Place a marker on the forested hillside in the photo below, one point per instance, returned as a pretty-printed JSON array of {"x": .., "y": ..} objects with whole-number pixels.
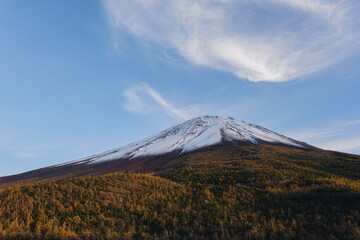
[{"x": 237, "y": 192}]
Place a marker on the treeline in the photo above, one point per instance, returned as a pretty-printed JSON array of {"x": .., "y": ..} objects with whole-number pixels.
[{"x": 213, "y": 196}]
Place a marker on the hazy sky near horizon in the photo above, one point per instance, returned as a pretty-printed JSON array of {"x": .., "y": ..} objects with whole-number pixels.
[{"x": 78, "y": 78}]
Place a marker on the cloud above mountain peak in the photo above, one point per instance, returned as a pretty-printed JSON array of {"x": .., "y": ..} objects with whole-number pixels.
[{"x": 258, "y": 40}]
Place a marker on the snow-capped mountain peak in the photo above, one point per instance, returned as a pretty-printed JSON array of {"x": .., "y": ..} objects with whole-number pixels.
[{"x": 191, "y": 135}]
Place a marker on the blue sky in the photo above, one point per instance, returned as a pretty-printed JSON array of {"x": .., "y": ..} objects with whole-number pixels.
[{"x": 81, "y": 78}]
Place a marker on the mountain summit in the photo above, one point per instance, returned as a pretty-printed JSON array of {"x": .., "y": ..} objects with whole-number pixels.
[
  {"x": 153, "y": 152},
  {"x": 192, "y": 135}
]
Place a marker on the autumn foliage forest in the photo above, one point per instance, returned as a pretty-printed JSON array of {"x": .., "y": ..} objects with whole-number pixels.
[{"x": 228, "y": 192}]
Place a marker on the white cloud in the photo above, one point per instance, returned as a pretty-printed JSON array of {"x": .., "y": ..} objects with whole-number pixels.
[
  {"x": 137, "y": 102},
  {"x": 339, "y": 137},
  {"x": 324, "y": 8},
  {"x": 261, "y": 40},
  {"x": 343, "y": 144},
  {"x": 25, "y": 154},
  {"x": 20, "y": 149}
]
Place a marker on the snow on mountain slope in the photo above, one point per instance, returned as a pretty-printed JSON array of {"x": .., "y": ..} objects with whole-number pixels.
[{"x": 191, "y": 135}]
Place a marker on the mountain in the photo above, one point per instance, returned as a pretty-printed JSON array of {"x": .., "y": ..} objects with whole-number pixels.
[
  {"x": 207, "y": 178},
  {"x": 193, "y": 135},
  {"x": 152, "y": 153}
]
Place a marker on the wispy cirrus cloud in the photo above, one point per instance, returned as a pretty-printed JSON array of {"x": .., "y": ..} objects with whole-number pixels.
[
  {"x": 343, "y": 144},
  {"x": 138, "y": 101},
  {"x": 260, "y": 40},
  {"x": 340, "y": 137},
  {"x": 20, "y": 150},
  {"x": 21, "y": 154}
]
